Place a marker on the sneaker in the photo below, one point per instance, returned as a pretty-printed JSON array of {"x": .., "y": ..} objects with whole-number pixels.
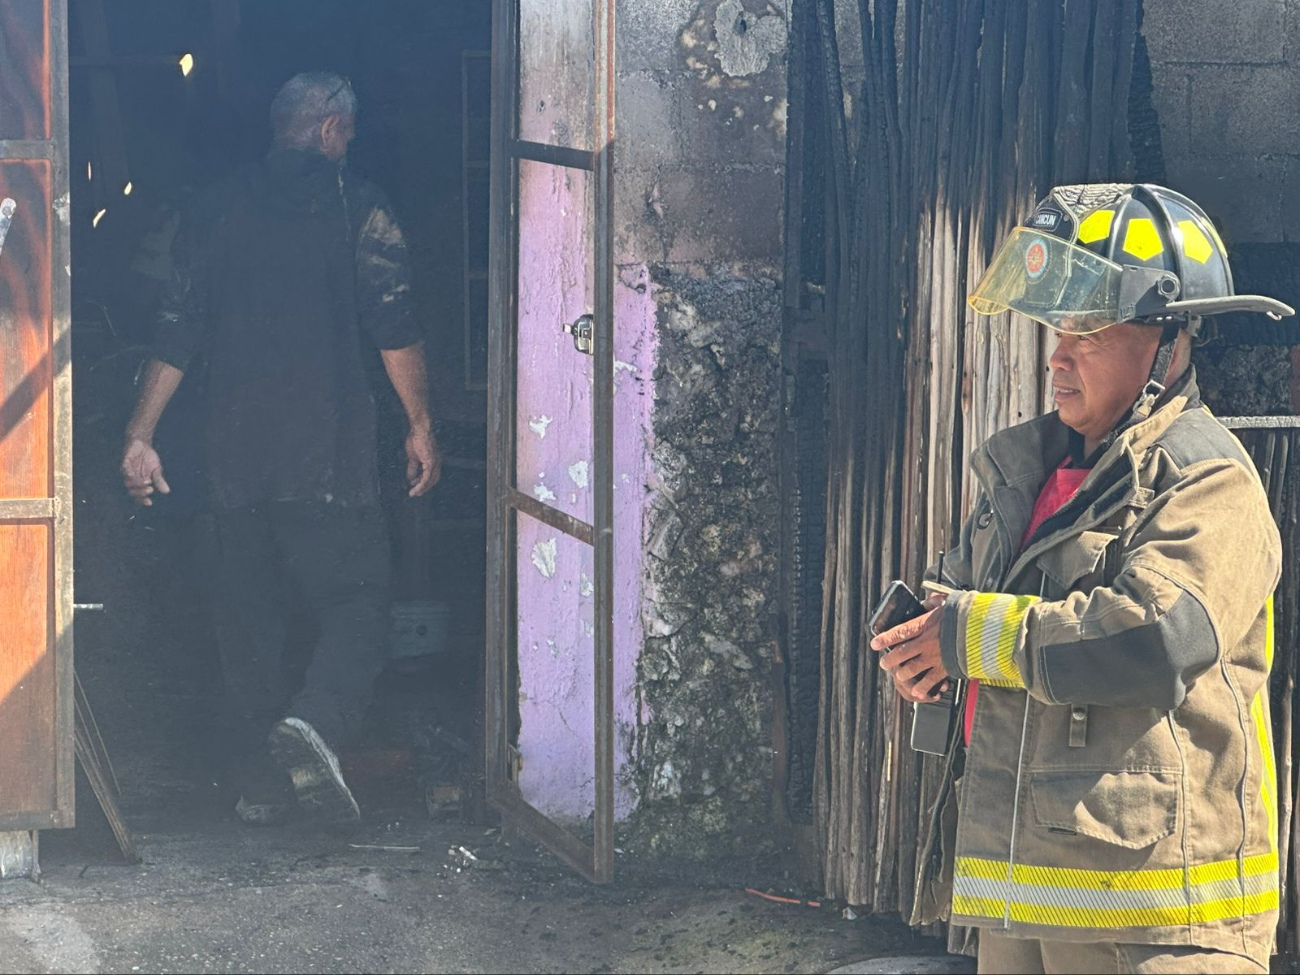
[
  {"x": 314, "y": 768},
  {"x": 262, "y": 813}
]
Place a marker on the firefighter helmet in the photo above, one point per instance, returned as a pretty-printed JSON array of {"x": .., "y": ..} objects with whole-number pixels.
[{"x": 1096, "y": 254}]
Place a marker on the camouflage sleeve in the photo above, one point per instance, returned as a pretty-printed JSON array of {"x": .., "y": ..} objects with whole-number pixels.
[
  {"x": 384, "y": 281},
  {"x": 181, "y": 325}
]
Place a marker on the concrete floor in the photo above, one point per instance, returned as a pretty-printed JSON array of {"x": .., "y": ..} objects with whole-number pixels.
[
  {"x": 213, "y": 896},
  {"x": 223, "y": 898}
]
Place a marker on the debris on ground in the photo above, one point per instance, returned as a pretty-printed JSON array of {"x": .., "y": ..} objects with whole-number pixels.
[
  {"x": 782, "y": 900},
  {"x": 466, "y": 859}
]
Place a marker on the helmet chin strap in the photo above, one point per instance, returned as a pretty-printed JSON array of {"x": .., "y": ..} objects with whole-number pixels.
[{"x": 1158, "y": 378}]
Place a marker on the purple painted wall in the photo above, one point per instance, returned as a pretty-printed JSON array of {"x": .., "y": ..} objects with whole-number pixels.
[{"x": 554, "y": 458}]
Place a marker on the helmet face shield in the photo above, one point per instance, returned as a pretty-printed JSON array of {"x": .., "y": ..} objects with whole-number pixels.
[{"x": 1064, "y": 286}]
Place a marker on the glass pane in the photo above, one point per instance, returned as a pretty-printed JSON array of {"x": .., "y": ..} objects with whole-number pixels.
[
  {"x": 554, "y": 380},
  {"x": 557, "y": 72},
  {"x": 555, "y": 646},
  {"x": 25, "y": 324},
  {"x": 24, "y": 70}
]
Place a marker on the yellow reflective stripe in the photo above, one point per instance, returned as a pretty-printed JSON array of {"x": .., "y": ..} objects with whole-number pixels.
[
  {"x": 1082, "y": 904},
  {"x": 992, "y": 629},
  {"x": 1268, "y": 785},
  {"x": 1208, "y": 873},
  {"x": 1166, "y": 879},
  {"x": 981, "y": 869},
  {"x": 975, "y": 616},
  {"x": 978, "y": 906}
]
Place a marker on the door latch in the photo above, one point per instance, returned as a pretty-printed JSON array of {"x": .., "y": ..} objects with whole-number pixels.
[
  {"x": 7, "y": 208},
  {"x": 583, "y": 332}
]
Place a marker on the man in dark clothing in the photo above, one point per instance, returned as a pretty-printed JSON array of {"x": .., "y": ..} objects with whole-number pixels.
[{"x": 284, "y": 273}]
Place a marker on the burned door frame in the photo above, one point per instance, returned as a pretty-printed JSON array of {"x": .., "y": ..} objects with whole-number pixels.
[
  {"x": 55, "y": 378},
  {"x": 595, "y": 861}
]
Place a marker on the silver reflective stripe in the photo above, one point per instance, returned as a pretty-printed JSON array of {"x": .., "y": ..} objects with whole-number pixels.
[
  {"x": 995, "y": 619},
  {"x": 1092, "y": 897}
]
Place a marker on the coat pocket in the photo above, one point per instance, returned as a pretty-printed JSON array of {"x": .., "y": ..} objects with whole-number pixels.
[
  {"x": 1132, "y": 810},
  {"x": 1076, "y": 559}
]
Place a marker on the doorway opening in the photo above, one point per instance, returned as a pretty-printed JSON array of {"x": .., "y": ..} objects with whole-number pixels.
[{"x": 166, "y": 97}]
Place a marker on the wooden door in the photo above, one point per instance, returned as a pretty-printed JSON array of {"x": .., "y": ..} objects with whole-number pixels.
[{"x": 36, "y": 677}]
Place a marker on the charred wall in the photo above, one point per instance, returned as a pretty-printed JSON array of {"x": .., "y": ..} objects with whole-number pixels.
[{"x": 699, "y": 226}]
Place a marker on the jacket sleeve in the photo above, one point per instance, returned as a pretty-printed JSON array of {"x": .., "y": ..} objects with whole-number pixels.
[
  {"x": 384, "y": 303},
  {"x": 180, "y": 329},
  {"x": 1192, "y": 579}
]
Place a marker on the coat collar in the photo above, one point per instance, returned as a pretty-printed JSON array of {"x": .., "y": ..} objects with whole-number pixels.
[{"x": 1027, "y": 453}]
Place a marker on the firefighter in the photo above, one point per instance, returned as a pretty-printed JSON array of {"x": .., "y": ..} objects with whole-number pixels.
[{"x": 1114, "y": 807}]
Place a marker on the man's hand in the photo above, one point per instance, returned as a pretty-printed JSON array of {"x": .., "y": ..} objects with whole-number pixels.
[
  {"x": 912, "y": 656},
  {"x": 142, "y": 471},
  {"x": 423, "y": 460}
]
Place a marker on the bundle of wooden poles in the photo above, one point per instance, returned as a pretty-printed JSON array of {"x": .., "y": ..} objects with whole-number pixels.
[{"x": 962, "y": 115}]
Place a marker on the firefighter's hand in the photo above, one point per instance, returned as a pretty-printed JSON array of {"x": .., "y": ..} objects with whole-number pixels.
[
  {"x": 912, "y": 656},
  {"x": 142, "y": 471},
  {"x": 423, "y": 461}
]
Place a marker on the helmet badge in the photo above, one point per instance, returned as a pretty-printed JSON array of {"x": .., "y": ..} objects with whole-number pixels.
[{"x": 1036, "y": 258}]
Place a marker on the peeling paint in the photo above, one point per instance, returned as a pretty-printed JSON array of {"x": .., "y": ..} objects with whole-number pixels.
[
  {"x": 544, "y": 557},
  {"x": 746, "y": 42},
  {"x": 578, "y": 473},
  {"x": 780, "y": 115},
  {"x": 539, "y": 424},
  {"x": 543, "y": 492},
  {"x": 63, "y": 208}
]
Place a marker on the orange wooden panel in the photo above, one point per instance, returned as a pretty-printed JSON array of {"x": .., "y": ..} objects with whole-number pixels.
[
  {"x": 26, "y": 324},
  {"x": 25, "y": 69},
  {"x": 27, "y": 671}
]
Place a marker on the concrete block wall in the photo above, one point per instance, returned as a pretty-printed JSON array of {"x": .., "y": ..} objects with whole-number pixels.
[
  {"x": 699, "y": 227},
  {"x": 1227, "y": 89}
]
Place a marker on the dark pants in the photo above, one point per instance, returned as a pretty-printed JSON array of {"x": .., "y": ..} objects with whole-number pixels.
[{"x": 332, "y": 560}]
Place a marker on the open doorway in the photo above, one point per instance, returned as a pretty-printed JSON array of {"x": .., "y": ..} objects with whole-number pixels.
[{"x": 165, "y": 98}]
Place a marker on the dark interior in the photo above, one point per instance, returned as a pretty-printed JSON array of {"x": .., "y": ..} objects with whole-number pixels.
[{"x": 148, "y": 661}]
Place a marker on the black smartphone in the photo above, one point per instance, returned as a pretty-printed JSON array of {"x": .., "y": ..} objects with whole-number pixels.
[
  {"x": 898, "y": 605},
  {"x": 932, "y": 723}
]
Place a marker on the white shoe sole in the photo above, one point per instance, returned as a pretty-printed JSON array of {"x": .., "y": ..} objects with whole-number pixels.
[{"x": 314, "y": 769}]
